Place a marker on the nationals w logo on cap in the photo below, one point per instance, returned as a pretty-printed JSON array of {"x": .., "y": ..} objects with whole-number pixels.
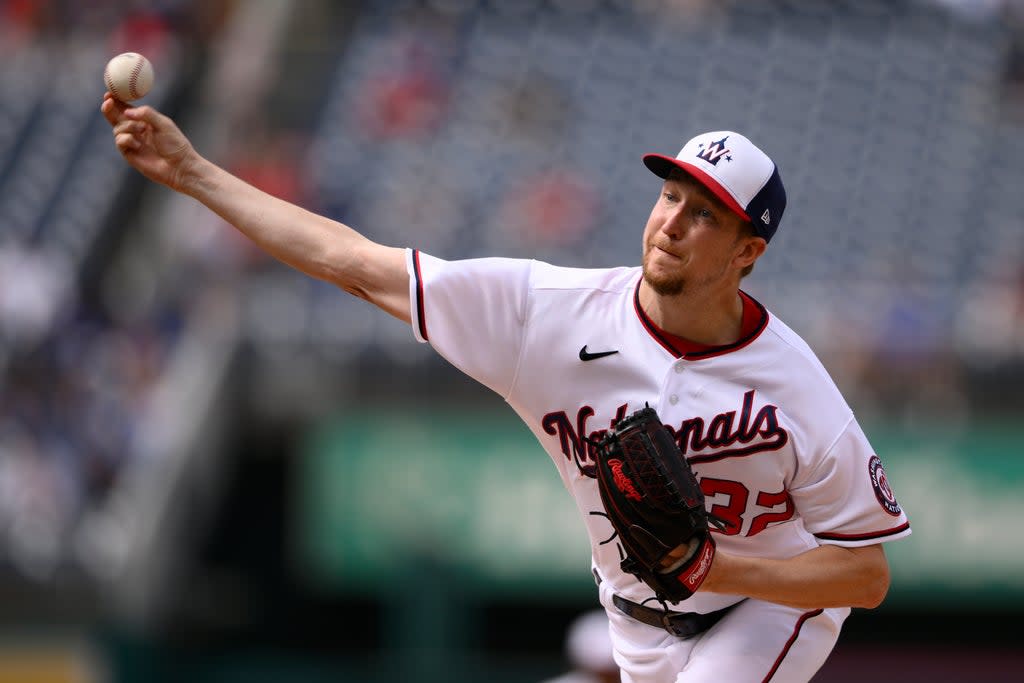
[
  {"x": 715, "y": 151},
  {"x": 736, "y": 171}
]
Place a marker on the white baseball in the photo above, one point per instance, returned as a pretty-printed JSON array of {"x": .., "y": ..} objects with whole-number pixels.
[{"x": 128, "y": 76}]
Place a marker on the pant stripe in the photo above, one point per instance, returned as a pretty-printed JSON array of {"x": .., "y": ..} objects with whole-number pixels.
[{"x": 789, "y": 643}]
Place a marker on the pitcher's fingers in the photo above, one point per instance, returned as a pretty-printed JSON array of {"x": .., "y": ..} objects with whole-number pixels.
[
  {"x": 113, "y": 110},
  {"x": 151, "y": 116},
  {"x": 133, "y": 127},
  {"x": 126, "y": 142}
]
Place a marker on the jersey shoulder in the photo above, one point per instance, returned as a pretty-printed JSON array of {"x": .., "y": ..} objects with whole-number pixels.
[
  {"x": 546, "y": 276},
  {"x": 798, "y": 376},
  {"x": 794, "y": 349},
  {"x": 786, "y": 336}
]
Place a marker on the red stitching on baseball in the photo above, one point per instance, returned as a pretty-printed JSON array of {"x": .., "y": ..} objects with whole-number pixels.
[{"x": 133, "y": 79}]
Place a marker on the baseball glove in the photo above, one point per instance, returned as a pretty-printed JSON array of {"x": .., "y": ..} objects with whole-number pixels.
[{"x": 654, "y": 502}]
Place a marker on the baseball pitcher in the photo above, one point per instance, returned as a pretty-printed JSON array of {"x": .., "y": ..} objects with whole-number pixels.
[{"x": 735, "y": 509}]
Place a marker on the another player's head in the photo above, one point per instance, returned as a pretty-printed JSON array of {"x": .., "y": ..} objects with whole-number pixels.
[
  {"x": 589, "y": 646},
  {"x": 721, "y": 204}
]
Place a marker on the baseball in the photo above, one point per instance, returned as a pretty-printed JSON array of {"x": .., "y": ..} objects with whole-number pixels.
[{"x": 128, "y": 76}]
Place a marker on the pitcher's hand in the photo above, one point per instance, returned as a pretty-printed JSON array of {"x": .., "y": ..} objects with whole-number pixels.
[{"x": 150, "y": 142}]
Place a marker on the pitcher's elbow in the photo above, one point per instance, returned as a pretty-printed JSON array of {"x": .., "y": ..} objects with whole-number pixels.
[{"x": 877, "y": 587}]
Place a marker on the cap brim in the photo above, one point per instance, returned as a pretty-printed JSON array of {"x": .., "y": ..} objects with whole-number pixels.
[{"x": 662, "y": 166}]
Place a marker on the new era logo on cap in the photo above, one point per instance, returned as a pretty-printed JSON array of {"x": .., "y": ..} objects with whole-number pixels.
[{"x": 736, "y": 171}]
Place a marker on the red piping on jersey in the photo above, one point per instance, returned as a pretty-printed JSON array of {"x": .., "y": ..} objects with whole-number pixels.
[
  {"x": 667, "y": 340},
  {"x": 789, "y": 643},
  {"x": 866, "y": 536},
  {"x": 420, "y": 313}
]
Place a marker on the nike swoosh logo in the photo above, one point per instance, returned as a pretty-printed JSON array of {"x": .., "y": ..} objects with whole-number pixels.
[{"x": 586, "y": 355}]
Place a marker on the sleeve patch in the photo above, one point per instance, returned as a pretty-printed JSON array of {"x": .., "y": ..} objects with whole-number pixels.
[{"x": 881, "y": 485}]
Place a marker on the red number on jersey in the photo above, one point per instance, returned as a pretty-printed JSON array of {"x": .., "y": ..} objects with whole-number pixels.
[
  {"x": 731, "y": 514},
  {"x": 738, "y": 495},
  {"x": 770, "y": 500}
]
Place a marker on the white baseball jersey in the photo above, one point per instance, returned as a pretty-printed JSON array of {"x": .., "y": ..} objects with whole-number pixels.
[{"x": 778, "y": 452}]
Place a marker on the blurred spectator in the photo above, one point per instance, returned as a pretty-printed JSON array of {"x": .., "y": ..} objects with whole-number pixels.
[
  {"x": 975, "y": 10},
  {"x": 537, "y": 110},
  {"x": 20, "y": 22},
  {"x": 148, "y": 32},
  {"x": 267, "y": 158},
  {"x": 589, "y": 650},
  {"x": 989, "y": 325},
  {"x": 549, "y": 209},
  {"x": 69, "y": 411},
  {"x": 76, "y": 376},
  {"x": 34, "y": 287},
  {"x": 406, "y": 96},
  {"x": 1013, "y": 75}
]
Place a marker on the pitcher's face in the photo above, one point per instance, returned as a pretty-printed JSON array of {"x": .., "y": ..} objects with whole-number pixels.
[{"x": 692, "y": 240}]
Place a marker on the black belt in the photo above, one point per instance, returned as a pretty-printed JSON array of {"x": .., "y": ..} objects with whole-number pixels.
[{"x": 680, "y": 624}]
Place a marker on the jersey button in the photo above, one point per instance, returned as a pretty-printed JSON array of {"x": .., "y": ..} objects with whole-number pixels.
[
  {"x": 673, "y": 399},
  {"x": 679, "y": 368}
]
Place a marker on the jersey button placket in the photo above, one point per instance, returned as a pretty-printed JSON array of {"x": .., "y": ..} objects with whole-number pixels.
[{"x": 673, "y": 399}]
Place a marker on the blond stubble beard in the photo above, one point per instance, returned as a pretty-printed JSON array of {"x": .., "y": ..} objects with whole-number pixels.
[
  {"x": 674, "y": 284},
  {"x": 666, "y": 285}
]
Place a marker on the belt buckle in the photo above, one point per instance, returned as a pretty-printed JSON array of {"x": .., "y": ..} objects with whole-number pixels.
[
  {"x": 666, "y": 622},
  {"x": 679, "y": 631}
]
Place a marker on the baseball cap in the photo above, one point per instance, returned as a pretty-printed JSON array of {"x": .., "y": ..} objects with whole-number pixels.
[{"x": 736, "y": 171}]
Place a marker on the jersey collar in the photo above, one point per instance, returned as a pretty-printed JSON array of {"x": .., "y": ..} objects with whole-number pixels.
[{"x": 755, "y": 320}]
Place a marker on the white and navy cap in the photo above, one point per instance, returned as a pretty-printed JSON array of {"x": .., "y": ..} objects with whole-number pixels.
[{"x": 736, "y": 171}]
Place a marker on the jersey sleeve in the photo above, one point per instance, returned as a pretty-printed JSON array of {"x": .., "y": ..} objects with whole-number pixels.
[
  {"x": 472, "y": 312},
  {"x": 845, "y": 498}
]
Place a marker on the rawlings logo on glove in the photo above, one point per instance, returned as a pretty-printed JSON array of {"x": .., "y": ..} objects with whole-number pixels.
[
  {"x": 654, "y": 502},
  {"x": 622, "y": 482}
]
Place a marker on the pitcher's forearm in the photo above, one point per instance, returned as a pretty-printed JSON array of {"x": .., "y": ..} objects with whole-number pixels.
[
  {"x": 829, "y": 576},
  {"x": 313, "y": 244},
  {"x": 154, "y": 145}
]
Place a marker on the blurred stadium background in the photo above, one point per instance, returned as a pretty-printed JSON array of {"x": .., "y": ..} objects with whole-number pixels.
[{"x": 215, "y": 469}]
